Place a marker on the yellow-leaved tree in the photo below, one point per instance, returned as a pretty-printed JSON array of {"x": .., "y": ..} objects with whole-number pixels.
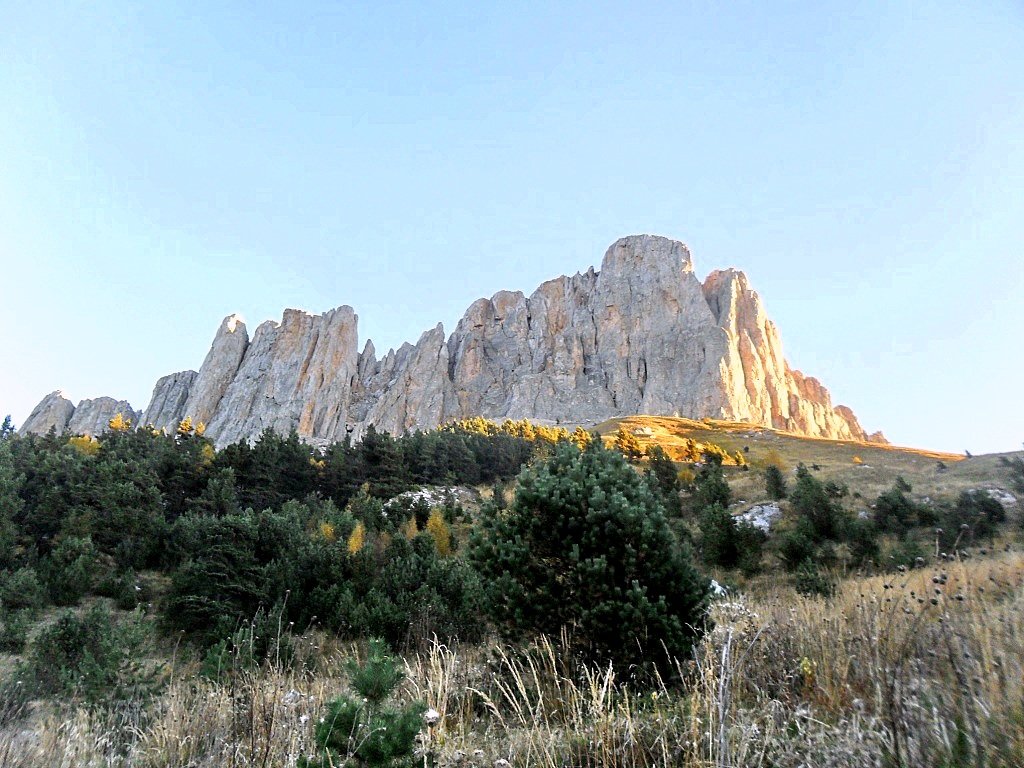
[
  {"x": 85, "y": 445},
  {"x": 357, "y": 539},
  {"x": 328, "y": 531},
  {"x": 581, "y": 438},
  {"x": 437, "y": 527},
  {"x": 119, "y": 423},
  {"x": 628, "y": 444}
]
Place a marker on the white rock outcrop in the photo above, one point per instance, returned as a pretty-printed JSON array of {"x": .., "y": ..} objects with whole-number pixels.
[
  {"x": 761, "y": 516},
  {"x": 218, "y": 369}
]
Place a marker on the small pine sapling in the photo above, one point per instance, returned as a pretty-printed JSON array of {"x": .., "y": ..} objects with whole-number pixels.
[{"x": 363, "y": 728}]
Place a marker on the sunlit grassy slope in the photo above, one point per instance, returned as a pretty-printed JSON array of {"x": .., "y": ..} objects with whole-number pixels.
[{"x": 868, "y": 468}]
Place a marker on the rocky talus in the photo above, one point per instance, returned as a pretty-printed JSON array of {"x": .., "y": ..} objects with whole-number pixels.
[{"x": 642, "y": 335}]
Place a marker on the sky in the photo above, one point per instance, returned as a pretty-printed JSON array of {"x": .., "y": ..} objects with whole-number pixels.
[{"x": 164, "y": 165}]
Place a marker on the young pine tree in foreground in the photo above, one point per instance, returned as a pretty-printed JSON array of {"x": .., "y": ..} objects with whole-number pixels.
[
  {"x": 586, "y": 545},
  {"x": 364, "y": 728}
]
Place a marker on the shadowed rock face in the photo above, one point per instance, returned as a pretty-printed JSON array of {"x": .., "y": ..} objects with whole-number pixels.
[
  {"x": 218, "y": 370},
  {"x": 643, "y": 335},
  {"x": 53, "y": 412},
  {"x": 92, "y": 417},
  {"x": 169, "y": 400},
  {"x": 89, "y": 417}
]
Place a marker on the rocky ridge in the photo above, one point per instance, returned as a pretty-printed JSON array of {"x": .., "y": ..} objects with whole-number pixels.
[
  {"x": 89, "y": 417},
  {"x": 641, "y": 336}
]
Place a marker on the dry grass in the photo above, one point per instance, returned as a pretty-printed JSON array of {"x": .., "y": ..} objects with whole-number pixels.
[
  {"x": 880, "y": 464},
  {"x": 917, "y": 669}
]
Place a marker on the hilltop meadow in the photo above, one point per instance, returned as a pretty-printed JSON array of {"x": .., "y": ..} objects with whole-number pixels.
[{"x": 485, "y": 595}]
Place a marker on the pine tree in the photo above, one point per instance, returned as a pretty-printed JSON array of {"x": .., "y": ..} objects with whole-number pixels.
[
  {"x": 663, "y": 471},
  {"x": 774, "y": 482},
  {"x": 711, "y": 486},
  {"x": 818, "y": 504},
  {"x": 11, "y": 504},
  {"x": 1015, "y": 464},
  {"x": 365, "y": 728},
  {"x": 728, "y": 542},
  {"x": 586, "y": 545},
  {"x": 718, "y": 540}
]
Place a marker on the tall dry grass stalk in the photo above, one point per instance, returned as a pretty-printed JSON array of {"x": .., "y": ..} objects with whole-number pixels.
[{"x": 918, "y": 669}]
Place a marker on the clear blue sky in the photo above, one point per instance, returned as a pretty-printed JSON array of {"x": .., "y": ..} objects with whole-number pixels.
[{"x": 162, "y": 166}]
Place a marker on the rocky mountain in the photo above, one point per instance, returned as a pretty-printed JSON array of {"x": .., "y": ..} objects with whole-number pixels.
[
  {"x": 89, "y": 417},
  {"x": 643, "y": 335}
]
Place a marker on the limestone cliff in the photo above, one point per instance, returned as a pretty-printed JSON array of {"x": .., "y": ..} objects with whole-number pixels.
[
  {"x": 170, "y": 400},
  {"x": 89, "y": 417},
  {"x": 53, "y": 412},
  {"x": 642, "y": 335}
]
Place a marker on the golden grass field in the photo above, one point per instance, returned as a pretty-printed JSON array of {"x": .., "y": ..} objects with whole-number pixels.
[{"x": 867, "y": 468}]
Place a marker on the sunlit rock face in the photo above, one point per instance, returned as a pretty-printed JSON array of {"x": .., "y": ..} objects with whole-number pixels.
[
  {"x": 642, "y": 335},
  {"x": 760, "y": 386}
]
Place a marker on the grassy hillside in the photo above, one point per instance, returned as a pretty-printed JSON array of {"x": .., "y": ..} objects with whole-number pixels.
[
  {"x": 892, "y": 669},
  {"x": 164, "y": 604},
  {"x": 867, "y": 468}
]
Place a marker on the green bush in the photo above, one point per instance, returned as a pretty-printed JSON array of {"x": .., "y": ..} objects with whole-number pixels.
[
  {"x": 908, "y": 552},
  {"x": 750, "y": 542},
  {"x": 818, "y": 504},
  {"x": 365, "y": 728},
  {"x": 70, "y": 569},
  {"x": 728, "y": 542},
  {"x": 406, "y": 594},
  {"x": 14, "y": 628},
  {"x": 21, "y": 589},
  {"x": 662, "y": 472},
  {"x": 586, "y": 545},
  {"x": 89, "y": 656},
  {"x": 811, "y": 582},
  {"x": 974, "y": 517},
  {"x": 862, "y": 537},
  {"x": 124, "y": 588},
  {"x": 796, "y": 545},
  {"x": 267, "y": 638},
  {"x": 228, "y": 572},
  {"x": 710, "y": 485},
  {"x": 895, "y": 513}
]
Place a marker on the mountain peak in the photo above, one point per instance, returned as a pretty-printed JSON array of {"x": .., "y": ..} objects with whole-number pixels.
[{"x": 641, "y": 336}]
